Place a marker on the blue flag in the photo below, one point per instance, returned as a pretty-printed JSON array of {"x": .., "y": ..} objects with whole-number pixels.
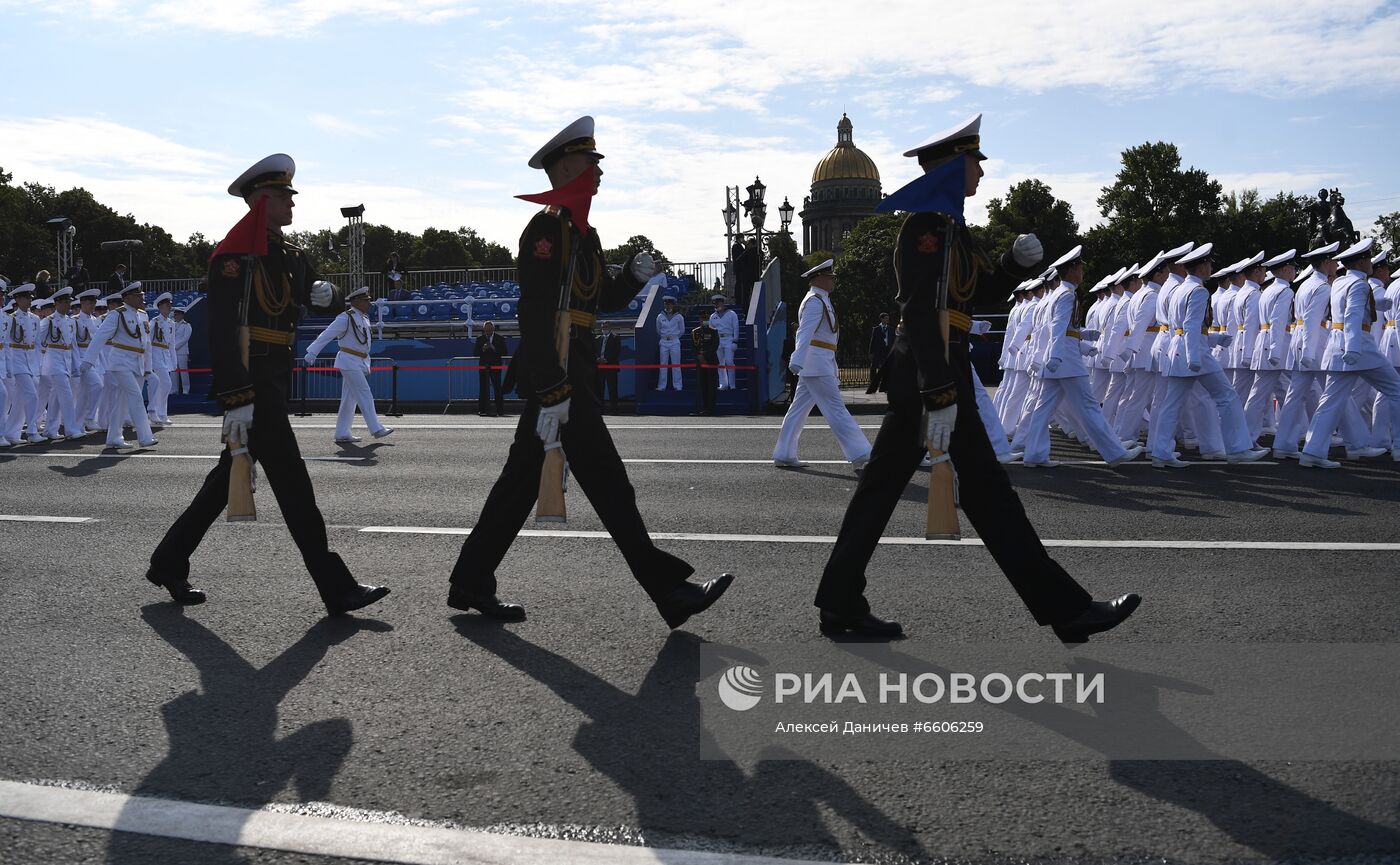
[{"x": 939, "y": 191}]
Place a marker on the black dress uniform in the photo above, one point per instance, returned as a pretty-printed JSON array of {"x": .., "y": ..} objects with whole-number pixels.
[
  {"x": 706, "y": 341},
  {"x": 916, "y": 377},
  {"x": 281, "y": 285}
]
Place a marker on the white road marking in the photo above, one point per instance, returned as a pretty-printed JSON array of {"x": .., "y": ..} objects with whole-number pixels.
[
  {"x": 32, "y": 518},
  {"x": 613, "y": 426},
  {"x": 1135, "y": 544},
  {"x": 103, "y": 455},
  {"x": 328, "y": 836}
]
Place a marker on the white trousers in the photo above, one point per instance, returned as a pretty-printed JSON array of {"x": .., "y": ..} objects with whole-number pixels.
[
  {"x": 1242, "y": 379},
  {"x": 1098, "y": 380},
  {"x": 61, "y": 397},
  {"x": 726, "y": 359},
  {"x": 1127, "y": 420},
  {"x": 1337, "y": 403},
  {"x": 180, "y": 379},
  {"x": 1114, "y": 396},
  {"x": 1014, "y": 384},
  {"x": 1259, "y": 404},
  {"x": 24, "y": 406},
  {"x": 988, "y": 412},
  {"x": 668, "y": 352},
  {"x": 1381, "y": 413},
  {"x": 823, "y": 391},
  {"x": 354, "y": 390},
  {"x": 125, "y": 388},
  {"x": 159, "y": 396},
  {"x": 1235, "y": 438},
  {"x": 4, "y": 407},
  {"x": 1083, "y": 407},
  {"x": 89, "y": 396}
]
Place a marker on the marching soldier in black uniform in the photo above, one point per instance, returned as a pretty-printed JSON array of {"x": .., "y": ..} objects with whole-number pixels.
[
  {"x": 277, "y": 280},
  {"x": 561, "y": 265},
  {"x": 706, "y": 342},
  {"x": 932, "y": 400}
]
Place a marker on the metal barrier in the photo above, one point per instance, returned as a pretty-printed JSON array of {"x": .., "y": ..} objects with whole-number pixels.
[
  {"x": 463, "y": 379},
  {"x": 321, "y": 382}
]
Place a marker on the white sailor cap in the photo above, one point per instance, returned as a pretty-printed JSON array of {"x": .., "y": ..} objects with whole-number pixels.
[
  {"x": 1381, "y": 258},
  {"x": 276, "y": 170},
  {"x": 1037, "y": 282},
  {"x": 91, "y": 292},
  {"x": 22, "y": 288},
  {"x": 1069, "y": 257},
  {"x": 1356, "y": 250},
  {"x": 164, "y": 298},
  {"x": 1323, "y": 251},
  {"x": 9, "y": 305},
  {"x": 1152, "y": 264},
  {"x": 668, "y": 299},
  {"x": 64, "y": 293},
  {"x": 717, "y": 298},
  {"x": 1103, "y": 283},
  {"x": 1127, "y": 273},
  {"x": 1178, "y": 252},
  {"x": 1198, "y": 254},
  {"x": 1281, "y": 259},
  {"x": 362, "y": 291},
  {"x": 1306, "y": 272},
  {"x": 41, "y": 303},
  {"x": 577, "y": 137},
  {"x": 180, "y": 309},
  {"x": 1247, "y": 263},
  {"x": 1050, "y": 275},
  {"x": 965, "y": 137},
  {"x": 829, "y": 264},
  {"x": 1224, "y": 271},
  {"x": 134, "y": 285},
  {"x": 111, "y": 299},
  {"x": 4, "y": 283}
]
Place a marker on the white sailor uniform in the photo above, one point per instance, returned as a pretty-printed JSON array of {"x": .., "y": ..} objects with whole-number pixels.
[
  {"x": 818, "y": 383},
  {"x": 123, "y": 334},
  {"x": 351, "y": 331},
  {"x": 727, "y": 325},
  {"x": 669, "y": 330}
]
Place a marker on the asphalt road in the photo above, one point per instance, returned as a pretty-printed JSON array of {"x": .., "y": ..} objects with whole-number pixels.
[{"x": 582, "y": 721}]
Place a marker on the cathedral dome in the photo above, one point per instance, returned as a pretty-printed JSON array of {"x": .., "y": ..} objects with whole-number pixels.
[{"x": 845, "y": 161}]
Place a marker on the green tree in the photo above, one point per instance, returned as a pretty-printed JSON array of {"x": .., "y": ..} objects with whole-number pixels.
[
  {"x": 440, "y": 250},
  {"x": 1152, "y": 204},
  {"x": 1247, "y": 223},
  {"x": 1030, "y": 207},
  {"x": 482, "y": 252},
  {"x": 865, "y": 283},
  {"x": 1386, "y": 231},
  {"x": 783, "y": 247},
  {"x": 635, "y": 244}
]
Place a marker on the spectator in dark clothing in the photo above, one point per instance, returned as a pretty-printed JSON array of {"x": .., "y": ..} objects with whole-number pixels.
[
  {"x": 608, "y": 351},
  {"x": 748, "y": 269},
  {"x": 490, "y": 349},
  {"x": 789, "y": 346},
  {"x": 881, "y": 340},
  {"x": 42, "y": 288},
  {"x": 706, "y": 341},
  {"x": 393, "y": 278},
  {"x": 77, "y": 276},
  {"x": 116, "y": 283}
]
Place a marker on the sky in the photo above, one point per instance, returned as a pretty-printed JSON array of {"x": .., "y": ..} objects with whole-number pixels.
[{"x": 426, "y": 111}]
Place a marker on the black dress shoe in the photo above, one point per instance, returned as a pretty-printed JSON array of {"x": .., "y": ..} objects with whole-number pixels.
[
  {"x": 869, "y": 624},
  {"x": 1100, "y": 616},
  {"x": 360, "y": 596},
  {"x": 488, "y": 605},
  {"x": 180, "y": 590},
  {"x": 690, "y": 598}
]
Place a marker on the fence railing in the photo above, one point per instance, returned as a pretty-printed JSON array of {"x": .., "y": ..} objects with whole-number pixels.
[{"x": 321, "y": 382}]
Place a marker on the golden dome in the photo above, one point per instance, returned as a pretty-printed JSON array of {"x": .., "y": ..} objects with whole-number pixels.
[{"x": 845, "y": 161}]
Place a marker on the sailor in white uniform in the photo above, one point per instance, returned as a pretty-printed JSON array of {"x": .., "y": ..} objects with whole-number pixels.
[
  {"x": 1246, "y": 317},
  {"x": 180, "y": 331},
  {"x": 1271, "y": 345},
  {"x": 351, "y": 331},
  {"x": 1011, "y": 375},
  {"x": 1390, "y": 348},
  {"x": 814, "y": 363},
  {"x": 726, "y": 323},
  {"x": 128, "y": 361},
  {"x": 59, "y": 366},
  {"x": 88, "y": 386},
  {"x": 162, "y": 362},
  {"x": 1140, "y": 329},
  {"x": 4, "y": 366},
  {"x": 670, "y": 327},
  {"x": 1351, "y": 355},
  {"x": 23, "y": 364}
]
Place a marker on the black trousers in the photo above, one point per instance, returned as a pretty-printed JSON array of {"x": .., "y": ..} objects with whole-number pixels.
[
  {"x": 985, "y": 492},
  {"x": 595, "y": 464},
  {"x": 274, "y": 445},
  {"x": 607, "y": 385},
  {"x": 708, "y": 379},
  {"x": 486, "y": 380}
]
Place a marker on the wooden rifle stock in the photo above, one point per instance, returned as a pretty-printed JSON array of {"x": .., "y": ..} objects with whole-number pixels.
[
  {"x": 549, "y": 503},
  {"x": 942, "y": 518},
  {"x": 241, "y": 507}
]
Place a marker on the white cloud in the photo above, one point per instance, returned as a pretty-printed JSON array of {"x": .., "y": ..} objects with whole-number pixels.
[{"x": 337, "y": 125}]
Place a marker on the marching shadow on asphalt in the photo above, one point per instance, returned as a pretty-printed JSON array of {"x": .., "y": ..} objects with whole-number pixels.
[
  {"x": 649, "y": 744},
  {"x": 368, "y": 454},
  {"x": 223, "y": 737},
  {"x": 1281, "y": 823}
]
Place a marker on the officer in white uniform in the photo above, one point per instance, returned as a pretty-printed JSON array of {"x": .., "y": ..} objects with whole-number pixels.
[
  {"x": 1115, "y": 337},
  {"x": 1389, "y": 348},
  {"x": 1140, "y": 329},
  {"x": 1246, "y": 317},
  {"x": 1101, "y": 302},
  {"x": 1271, "y": 346},
  {"x": 22, "y": 347},
  {"x": 107, "y": 402},
  {"x": 1063, "y": 377},
  {"x": 726, "y": 323},
  {"x": 59, "y": 366},
  {"x": 670, "y": 327},
  {"x": 1188, "y": 362},
  {"x": 351, "y": 331},
  {"x": 814, "y": 363},
  {"x": 180, "y": 331},
  {"x": 88, "y": 386},
  {"x": 4, "y": 367},
  {"x": 162, "y": 361},
  {"x": 1015, "y": 378},
  {"x": 1351, "y": 355},
  {"x": 128, "y": 361}
]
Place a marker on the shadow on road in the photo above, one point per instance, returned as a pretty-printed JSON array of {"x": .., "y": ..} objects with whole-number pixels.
[
  {"x": 223, "y": 737},
  {"x": 648, "y": 743}
]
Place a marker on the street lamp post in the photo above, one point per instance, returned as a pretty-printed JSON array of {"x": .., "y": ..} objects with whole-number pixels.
[{"x": 731, "y": 218}]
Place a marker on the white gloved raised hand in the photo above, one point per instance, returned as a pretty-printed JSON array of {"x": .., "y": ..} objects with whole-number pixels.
[
  {"x": 322, "y": 293},
  {"x": 1087, "y": 350},
  {"x": 237, "y": 423},
  {"x": 1027, "y": 250},
  {"x": 1305, "y": 362},
  {"x": 1035, "y": 367},
  {"x": 1125, "y": 355},
  {"x": 551, "y": 418},
  {"x": 1351, "y": 358},
  {"x": 980, "y": 328},
  {"x": 1382, "y": 304},
  {"x": 795, "y": 368},
  {"x": 1052, "y": 364},
  {"x": 87, "y": 365},
  {"x": 643, "y": 267},
  {"x": 940, "y": 426},
  {"x": 309, "y": 360},
  {"x": 1089, "y": 333}
]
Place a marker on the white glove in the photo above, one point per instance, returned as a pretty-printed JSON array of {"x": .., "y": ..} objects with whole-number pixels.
[
  {"x": 322, "y": 293},
  {"x": 643, "y": 268},
  {"x": 1035, "y": 367},
  {"x": 1194, "y": 366},
  {"x": 981, "y": 327},
  {"x": 309, "y": 360},
  {"x": 1351, "y": 358},
  {"x": 1027, "y": 250},
  {"x": 795, "y": 368},
  {"x": 237, "y": 422},
  {"x": 1089, "y": 334},
  {"x": 550, "y": 420},
  {"x": 1273, "y": 361},
  {"x": 1382, "y": 304},
  {"x": 940, "y": 426},
  {"x": 1305, "y": 362},
  {"x": 1087, "y": 350},
  {"x": 1125, "y": 355},
  {"x": 1052, "y": 364},
  {"x": 87, "y": 365}
]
